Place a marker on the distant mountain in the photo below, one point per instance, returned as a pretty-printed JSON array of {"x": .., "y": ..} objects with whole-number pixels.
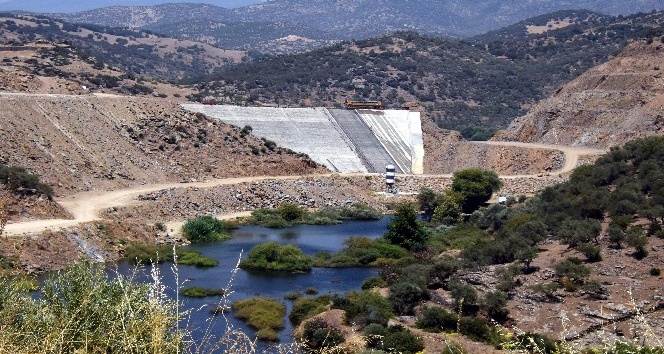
[
  {"x": 355, "y": 19},
  {"x": 60, "y": 6},
  {"x": 472, "y": 85}
]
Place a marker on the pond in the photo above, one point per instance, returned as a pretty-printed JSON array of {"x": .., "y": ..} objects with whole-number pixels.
[{"x": 245, "y": 284}]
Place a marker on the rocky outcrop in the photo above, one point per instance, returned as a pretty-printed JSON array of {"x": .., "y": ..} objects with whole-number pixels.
[{"x": 609, "y": 105}]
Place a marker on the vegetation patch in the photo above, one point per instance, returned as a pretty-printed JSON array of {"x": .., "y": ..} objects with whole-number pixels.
[
  {"x": 274, "y": 256},
  {"x": 147, "y": 254},
  {"x": 19, "y": 180},
  {"x": 265, "y": 315},
  {"x": 195, "y": 291},
  {"x": 361, "y": 252},
  {"x": 307, "y": 307},
  {"x": 83, "y": 310},
  {"x": 206, "y": 229},
  {"x": 289, "y": 214}
]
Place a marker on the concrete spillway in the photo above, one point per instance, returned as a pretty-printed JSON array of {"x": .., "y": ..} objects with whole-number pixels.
[
  {"x": 343, "y": 140},
  {"x": 371, "y": 151}
]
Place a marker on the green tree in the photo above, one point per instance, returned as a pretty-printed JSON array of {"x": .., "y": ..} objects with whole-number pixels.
[
  {"x": 477, "y": 186},
  {"x": 427, "y": 200},
  {"x": 449, "y": 209},
  {"x": 404, "y": 230},
  {"x": 636, "y": 238}
]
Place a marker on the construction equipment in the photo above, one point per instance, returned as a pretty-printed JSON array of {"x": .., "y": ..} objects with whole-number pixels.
[{"x": 351, "y": 104}]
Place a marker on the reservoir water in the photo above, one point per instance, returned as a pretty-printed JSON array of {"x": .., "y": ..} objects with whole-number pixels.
[{"x": 246, "y": 284}]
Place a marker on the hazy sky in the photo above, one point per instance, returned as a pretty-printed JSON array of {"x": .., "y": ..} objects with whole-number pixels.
[{"x": 45, "y": 6}]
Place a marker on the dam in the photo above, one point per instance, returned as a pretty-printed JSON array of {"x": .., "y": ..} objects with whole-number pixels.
[{"x": 345, "y": 141}]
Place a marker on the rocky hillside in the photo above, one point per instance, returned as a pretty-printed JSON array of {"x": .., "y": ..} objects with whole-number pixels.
[
  {"x": 78, "y": 143},
  {"x": 613, "y": 103},
  {"x": 346, "y": 19}
]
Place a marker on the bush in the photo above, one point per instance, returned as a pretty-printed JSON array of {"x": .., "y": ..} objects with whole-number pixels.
[
  {"x": 318, "y": 334},
  {"x": 655, "y": 272},
  {"x": 290, "y": 211},
  {"x": 205, "y": 229},
  {"x": 495, "y": 303},
  {"x": 307, "y": 307},
  {"x": 265, "y": 315},
  {"x": 274, "y": 256},
  {"x": 573, "y": 269},
  {"x": 404, "y": 296},
  {"x": 373, "y": 282},
  {"x": 17, "y": 178},
  {"x": 374, "y": 334},
  {"x": 476, "y": 329},
  {"x": 476, "y": 185},
  {"x": 592, "y": 252},
  {"x": 364, "y": 307},
  {"x": 437, "y": 319},
  {"x": 398, "y": 339},
  {"x": 195, "y": 291}
]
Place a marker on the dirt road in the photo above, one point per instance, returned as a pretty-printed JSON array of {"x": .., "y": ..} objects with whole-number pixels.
[{"x": 87, "y": 206}]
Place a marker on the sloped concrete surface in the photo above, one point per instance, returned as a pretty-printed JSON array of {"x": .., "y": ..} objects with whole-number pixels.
[
  {"x": 369, "y": 148},
  {"x": 305, "y": 130},
  {"x": 343, "y": 140}
]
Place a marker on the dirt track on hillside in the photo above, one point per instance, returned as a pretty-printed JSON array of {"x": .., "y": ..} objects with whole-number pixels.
[{"x": 87, "y": 206}]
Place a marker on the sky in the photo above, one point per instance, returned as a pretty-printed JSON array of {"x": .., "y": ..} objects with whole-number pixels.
[{"x": 50, "y": 6}]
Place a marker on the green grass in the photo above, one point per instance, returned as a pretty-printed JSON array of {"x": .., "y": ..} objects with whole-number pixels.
[
  {"x": 195, "y": 291},
  {"x": 265, "y": 315},
  {"x": 274, "y": 256},
  {"x": 147, "y": 254}
]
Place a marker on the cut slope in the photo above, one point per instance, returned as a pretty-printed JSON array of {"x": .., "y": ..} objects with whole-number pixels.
[
  {"x": 79, "y": 143},
  {"x": 615, "y": 102}
]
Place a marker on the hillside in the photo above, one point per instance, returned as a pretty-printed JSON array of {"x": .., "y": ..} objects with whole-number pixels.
[
  {"x": 75, "y": 5},
  {"x": 474, "y": 87},
  {"x": 610, "y": 104},
  {"x": 344, "y": 19},
  {"x": 66, "y": 119},
  {"x": 136, "y": 52}
]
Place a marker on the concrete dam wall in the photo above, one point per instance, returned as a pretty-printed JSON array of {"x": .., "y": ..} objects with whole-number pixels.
[{"x": 343, "y": 140}]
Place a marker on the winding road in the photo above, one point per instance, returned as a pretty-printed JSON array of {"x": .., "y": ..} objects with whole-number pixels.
[{"x": 88, "y": 206}]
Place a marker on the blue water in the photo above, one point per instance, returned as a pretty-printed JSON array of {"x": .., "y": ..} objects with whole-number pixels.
[{"x": 245, "y": 283}]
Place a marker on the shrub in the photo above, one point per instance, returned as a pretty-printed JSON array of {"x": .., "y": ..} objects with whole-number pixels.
[
  {"x": 476, "y": 185},
  {"x": 464, "y": 295},
  {"x": 592, "y": 252},
  {"x": 373, "y": 282},
  {"x": 495, "y": 303},
  {"x": 318, "y": 334},
  {"x": 373, "y": 334},
  {"x": 404, "y": 296},
  {"x": 293, "y": 295},
  {"x": 535, "y": 343},
  {"x": 17, "y": 178},
  {"x": 572, "y": 268},
  {"x": 655, "y": 272},
  {"x": 311, "y": 291},
  {"x": 307, "y": 307},
  {"x": 290, "y": 211},
  {"x": 398, "y": 339},
  {"x": 476, "y": 329},
  {"x": 364, "y": 307},
  {"x": 265, "y": 315},
  {"x": 437, "y": 319},
  {"x": 273, "y": 256},
  {"x": 205, "y": 229},
  {"x": 195, "y": 291}
]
